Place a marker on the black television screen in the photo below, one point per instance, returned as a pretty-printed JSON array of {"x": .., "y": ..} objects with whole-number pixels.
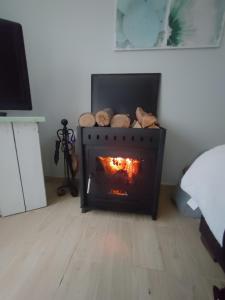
[
  {"x": 14, "y": 81},
  {"x": 124, "y": 92}
]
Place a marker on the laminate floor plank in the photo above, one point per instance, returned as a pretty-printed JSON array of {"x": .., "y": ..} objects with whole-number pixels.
[{"x": 57, "y": 253}]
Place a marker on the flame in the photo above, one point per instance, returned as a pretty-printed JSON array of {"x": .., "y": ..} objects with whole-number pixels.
[
  {"x": 112, "y": 165},
  {"x": 118, "y": 192}
]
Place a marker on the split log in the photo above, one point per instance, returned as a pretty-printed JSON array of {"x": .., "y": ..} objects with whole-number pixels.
[
  {"x": 144, "y": 118},
  {"x": 87, "y": 120},
  {"x": 154, "y": 126},
  {"x": 103, "y": 117},
  {"x": 136, "y": 124},
  {"x": 120, "y": 120}
]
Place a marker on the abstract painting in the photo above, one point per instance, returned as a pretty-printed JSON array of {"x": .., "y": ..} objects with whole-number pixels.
[{"x": 163, "y": 24}]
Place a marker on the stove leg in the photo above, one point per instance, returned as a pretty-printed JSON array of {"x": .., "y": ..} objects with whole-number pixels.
[
  {"x": 84, "y": 210},
  {"x": 154, "y": 217}
]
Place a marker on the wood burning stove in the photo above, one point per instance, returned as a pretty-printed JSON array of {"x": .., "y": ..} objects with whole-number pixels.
[{"x": 120, "y": 168}]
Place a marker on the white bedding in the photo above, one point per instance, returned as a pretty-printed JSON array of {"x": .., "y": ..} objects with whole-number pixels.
[{"x": 205, "y": 183}]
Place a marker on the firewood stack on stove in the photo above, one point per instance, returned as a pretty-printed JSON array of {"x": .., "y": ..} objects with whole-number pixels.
[{"x": 106, "y": 118}]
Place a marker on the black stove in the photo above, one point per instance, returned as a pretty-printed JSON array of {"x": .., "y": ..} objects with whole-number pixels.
[{"x": 120, "y": 168}]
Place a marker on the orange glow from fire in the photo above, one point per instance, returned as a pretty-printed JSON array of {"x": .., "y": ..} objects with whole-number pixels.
[
  {"x": 118, "y": 192},
  {"x": 112, "y": 165}
]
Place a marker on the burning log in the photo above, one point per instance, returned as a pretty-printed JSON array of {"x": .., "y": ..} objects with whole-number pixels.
[
  {"x": 121, "y": 167},
  {"x": 87, "y": 120},
  {"x": 144, "y": 118},
  {"x": 120, "y": 120},
  {"x": 103, "y": 117}
]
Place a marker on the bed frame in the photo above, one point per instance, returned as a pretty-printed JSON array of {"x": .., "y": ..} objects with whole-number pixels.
[{"x": 216, "y": 251}]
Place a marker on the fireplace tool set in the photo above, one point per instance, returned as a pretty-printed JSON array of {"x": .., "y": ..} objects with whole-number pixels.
[{"x": 66, "y": 142}]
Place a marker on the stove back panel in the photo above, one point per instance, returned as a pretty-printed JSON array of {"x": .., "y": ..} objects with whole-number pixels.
[{"x": 125, "y": 92}]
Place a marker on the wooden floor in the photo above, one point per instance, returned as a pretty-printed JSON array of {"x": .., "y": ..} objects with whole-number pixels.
[{"x": 59, "y": 253}]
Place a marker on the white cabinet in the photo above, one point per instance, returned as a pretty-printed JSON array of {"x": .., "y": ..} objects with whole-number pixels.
[
  {"x": 11, "y": 194},
  {"x": 21, "y": 175}
]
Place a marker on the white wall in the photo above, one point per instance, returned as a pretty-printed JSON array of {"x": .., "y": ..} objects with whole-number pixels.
[{"x": 68, "y": 40}]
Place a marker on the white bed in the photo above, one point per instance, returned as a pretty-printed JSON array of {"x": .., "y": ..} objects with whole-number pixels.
[{"x": 205, "y": 183}]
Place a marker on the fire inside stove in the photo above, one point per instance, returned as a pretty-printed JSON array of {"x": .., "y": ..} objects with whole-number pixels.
[
  {"x": 118, "y": 192},
  {"x": 122, "y": 168}
]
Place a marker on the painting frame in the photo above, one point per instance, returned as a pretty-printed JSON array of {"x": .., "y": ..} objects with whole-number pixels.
[{"x": 185, "y": 44}]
